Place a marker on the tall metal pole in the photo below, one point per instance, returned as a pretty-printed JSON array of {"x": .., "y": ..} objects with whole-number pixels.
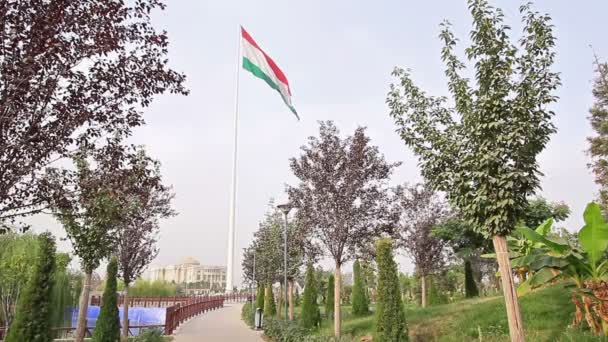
[
  {"x": 232, "y": 218},
  {"x": 254, "y": 290},
  {"x": 286, "y": 212}
]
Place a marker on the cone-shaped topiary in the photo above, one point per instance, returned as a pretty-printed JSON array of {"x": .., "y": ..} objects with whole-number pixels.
[
  {"x": 107, "y": 328},
  {"x": 311, "y": 315},
  {"x": 470, "y": 288},
  {"x": 260, "y": 298},
  {"x": 329, "y": 299},
  {"x": 270, "y": 307},
  {"x": 360, "y": 303},
  {"x": 390, "y": 315},
  {"x": 33, "y": 313}
]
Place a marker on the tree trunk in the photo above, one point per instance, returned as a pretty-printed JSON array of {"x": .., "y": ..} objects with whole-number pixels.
[
  {"x": 81, "y": 328},
  {"x": 280, "y": 302},
  {"x": 516, "y": 328},
  {"x": 337, "y": 313},
  {"x": 291, "y": 283},
  {"x": 125, "y": 314},
  {"x": 423, "y": 291}
]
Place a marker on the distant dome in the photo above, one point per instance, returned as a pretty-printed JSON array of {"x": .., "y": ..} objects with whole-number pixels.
[{"x": 190, "y": 261}]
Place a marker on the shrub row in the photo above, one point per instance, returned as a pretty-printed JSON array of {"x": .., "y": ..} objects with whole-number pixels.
[{"x": 291, "y": 331}]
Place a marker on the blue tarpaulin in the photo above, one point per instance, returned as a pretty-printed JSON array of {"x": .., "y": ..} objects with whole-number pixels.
[{"x": 137, "y": 316}]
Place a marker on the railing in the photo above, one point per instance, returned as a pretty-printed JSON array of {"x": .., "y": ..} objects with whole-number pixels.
[
  {"x": 161, "y": 302},
  {"x": 179, "y": 313},
  {"x": 179, "y": 309}
]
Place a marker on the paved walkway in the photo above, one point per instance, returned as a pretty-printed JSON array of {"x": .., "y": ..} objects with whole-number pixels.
[{"x": 224, "y": 324}]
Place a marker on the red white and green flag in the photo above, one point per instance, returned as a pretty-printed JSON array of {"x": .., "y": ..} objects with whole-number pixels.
[{"x": 256, "y": 61}]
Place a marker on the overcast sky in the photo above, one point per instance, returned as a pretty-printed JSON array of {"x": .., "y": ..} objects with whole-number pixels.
[{"x": 338, "y": 56}]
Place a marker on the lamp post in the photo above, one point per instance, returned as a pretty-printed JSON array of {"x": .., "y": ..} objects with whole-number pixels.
[{"x": 285, "y": 208}]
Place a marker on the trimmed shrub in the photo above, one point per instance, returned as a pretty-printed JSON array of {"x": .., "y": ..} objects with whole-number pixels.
[
  {"x": 270, "y": 307},
  {"x": 150, "y": 335},
  {"x": 33, "y": 313},
  {"x": 311, "y": 315},
  {"x": 247, "y": 314},
  {"x": 107, "y": 328},
  {"x": 360, "y": 302},
  {"x": 259, "y": 300},
  {"x": 470, "y": 288},
  {"x": 390, "y": 315},
  {"x": 329, "y": 299}
]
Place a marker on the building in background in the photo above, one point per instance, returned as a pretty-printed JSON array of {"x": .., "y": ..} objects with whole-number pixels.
[{"x": 195, "y": 277}]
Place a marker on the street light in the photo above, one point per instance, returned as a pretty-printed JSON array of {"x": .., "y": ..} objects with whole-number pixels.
[{"x": 285, "y": 208}]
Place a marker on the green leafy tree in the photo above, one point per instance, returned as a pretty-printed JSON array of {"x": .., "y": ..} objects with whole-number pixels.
[
  {"x": 311, "y": 315},
  {"x": 259, "y": 300},
  {"x": 329, "y": 298},
  {"x": 61, "y": 293},
  {"x": 482, "y": 151},
  {"x": 470, "y": 287},
  {"x": 270, "y": 307},
  {"x": 17, "y": 259},
  {"x": 390, "y": 314},
  {"x": 107, "y": 328},
  {"x": 598, "y": 144},
  {"x": 33, "y": 314},
  {"x": 360, "y": 303}
]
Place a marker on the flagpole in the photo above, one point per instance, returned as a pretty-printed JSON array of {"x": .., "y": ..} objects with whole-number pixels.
[{"x": 232, "y": 218}]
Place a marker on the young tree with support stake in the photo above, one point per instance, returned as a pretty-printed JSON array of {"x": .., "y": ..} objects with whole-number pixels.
[
  {"x": 482, "y": 152},
  {"x": 148, "y": 201},
  {"x": 421, "y": 211},
  {"x": 93, "y": 202},
  {"x": 342, "y": 197}
]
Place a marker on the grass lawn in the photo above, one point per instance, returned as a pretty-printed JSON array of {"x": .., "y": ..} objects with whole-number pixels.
[{"x": 546, "y": 314}]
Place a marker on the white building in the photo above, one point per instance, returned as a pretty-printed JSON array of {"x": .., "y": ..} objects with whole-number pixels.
[{"x": 191, "y": 271}]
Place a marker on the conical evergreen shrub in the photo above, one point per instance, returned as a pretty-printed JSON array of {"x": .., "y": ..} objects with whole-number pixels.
[
  {"x": 259, "y": 300},
  {"x": 311, "y": 315},
  {"x": 390, "y": 314},
  {"x": 360, "y": 302},
  {"x": 33, "y": 313},
  {"x": 470, "y": 288},
  {"x": 270, "y": 307},
  {"x": 107, "y": 328},
  {"x": 329, "y": 299}
]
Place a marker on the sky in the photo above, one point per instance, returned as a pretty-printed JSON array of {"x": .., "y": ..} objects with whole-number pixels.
[{"x": 338, "y": 56}]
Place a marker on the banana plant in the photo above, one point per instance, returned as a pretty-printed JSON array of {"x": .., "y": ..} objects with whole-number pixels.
[{"x": 584, "y": 264}]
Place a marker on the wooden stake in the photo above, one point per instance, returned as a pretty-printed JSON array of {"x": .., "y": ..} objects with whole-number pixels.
[{"x": 516, "y": 328}]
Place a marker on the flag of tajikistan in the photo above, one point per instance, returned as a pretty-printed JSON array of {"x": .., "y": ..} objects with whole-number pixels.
[{"x": 261, "y": 65}]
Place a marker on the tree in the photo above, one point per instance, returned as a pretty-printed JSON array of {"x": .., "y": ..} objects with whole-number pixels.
[
  {"x": 18, "y": 254},
  {"x": 470, "y": 287},
  {"x": 390, "y": 315},
  {"x": 107, "y": 327},
  {"x": 598, "y": 144},
  {"x": 61, "y": 293},
  {"x": 482, "y": 152},
  {"x": 421, "y": 211},
  {"x": 539, "y": 210},
  {"x": 360, "y": 304},
  {"x": 342, "y": 197},
  {"x": 311, "y": 315},
  {"x": 270, "y": 307},
  {"x": 260, "y": 297},
  {"x": 93, "y": 203},
  {"x": 32, "y": 318},
  {"x": 149, "y": 201},
  {"x": 329, "y": 298},
  {"x": 74, "y": 72}
]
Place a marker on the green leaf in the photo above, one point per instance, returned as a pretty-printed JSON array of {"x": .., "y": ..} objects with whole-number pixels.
[
  {"x": 539, "y": 278},
  {"x": 545, "y": 227},
  {"x": 535, "y": 237},
  {"x": 593, "y": 237}
]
